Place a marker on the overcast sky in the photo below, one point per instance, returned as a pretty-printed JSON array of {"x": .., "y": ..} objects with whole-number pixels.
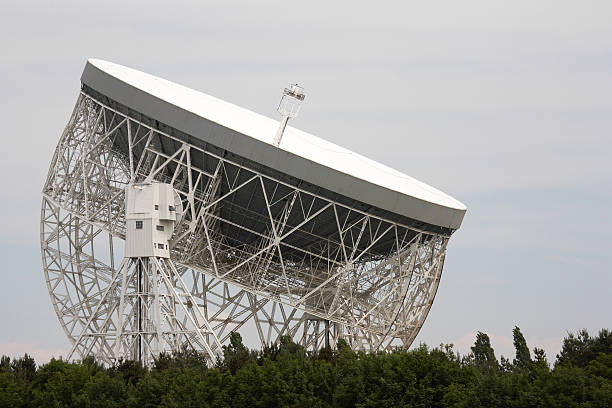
[{"x": 507, "y": 106}]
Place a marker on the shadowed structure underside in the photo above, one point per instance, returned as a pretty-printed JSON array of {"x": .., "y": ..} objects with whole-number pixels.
[{"x": 253, "y": 250}]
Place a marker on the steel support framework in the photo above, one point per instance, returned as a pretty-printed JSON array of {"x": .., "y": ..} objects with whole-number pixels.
[{"x": 267, "y": 271}]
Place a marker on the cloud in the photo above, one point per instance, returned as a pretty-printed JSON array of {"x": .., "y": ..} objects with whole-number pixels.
[
  {"x": 40, "y": 353},
  {"x": 504, "y": 105}
]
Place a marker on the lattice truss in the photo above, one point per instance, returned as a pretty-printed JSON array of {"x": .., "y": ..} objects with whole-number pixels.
[{"x": 250, "y": 253}]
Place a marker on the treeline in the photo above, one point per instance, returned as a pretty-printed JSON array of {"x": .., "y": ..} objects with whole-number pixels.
[{"x": 285, "y": 375}]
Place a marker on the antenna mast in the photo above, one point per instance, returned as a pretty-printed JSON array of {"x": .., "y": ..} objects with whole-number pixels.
[{"x": 289, "y": 107}]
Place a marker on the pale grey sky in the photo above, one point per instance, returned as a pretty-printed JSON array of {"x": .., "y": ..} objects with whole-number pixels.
[{"x": 507, "y": 106}]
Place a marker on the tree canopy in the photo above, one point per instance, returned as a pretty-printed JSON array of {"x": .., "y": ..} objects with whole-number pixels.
[{"x": 286, "y": 375}]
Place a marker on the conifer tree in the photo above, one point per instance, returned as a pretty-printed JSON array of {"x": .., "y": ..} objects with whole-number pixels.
[
  {"x": 235, "y": 354},
  {"x": 539, "y": 358},
  {"x": 484, "y": 355},
  {"x": 523, "y": 357}
]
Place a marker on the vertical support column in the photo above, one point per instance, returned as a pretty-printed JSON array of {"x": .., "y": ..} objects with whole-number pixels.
[
  {"x": 156, "y": 318},
  {"x": 138, "y": 323}
]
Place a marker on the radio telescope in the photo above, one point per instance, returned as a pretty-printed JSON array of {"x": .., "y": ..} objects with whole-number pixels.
[{"x": 171, "y": 218}]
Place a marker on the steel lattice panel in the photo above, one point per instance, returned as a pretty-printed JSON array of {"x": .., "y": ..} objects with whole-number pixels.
[{"x": 250, "y": 249}]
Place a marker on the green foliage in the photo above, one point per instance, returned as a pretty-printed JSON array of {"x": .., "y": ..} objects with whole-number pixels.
[
  {"x": 12, "y": 393},
  {"x": 540, "y": 360},
  {"x": 129, "y": 371},
  {"x": 181, "y": 360},
  {"x": 235, "y": 354},
  {"x": 484, "y": 356},
  {"x": 102, "y": 391},
  {"x": 523, "y": 358},
  {"x": 24, "y": 368},
  {"x": 581, "y": 349},
  {"x": 286, "y": 375}
]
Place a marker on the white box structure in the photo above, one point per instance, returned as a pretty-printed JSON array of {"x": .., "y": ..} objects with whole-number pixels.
[{"x": 150, "y": 217}]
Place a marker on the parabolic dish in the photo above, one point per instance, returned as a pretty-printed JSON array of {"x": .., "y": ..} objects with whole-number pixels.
[
  {"x": 307, "y": 239},
  {"x": 248, "y": 134}
]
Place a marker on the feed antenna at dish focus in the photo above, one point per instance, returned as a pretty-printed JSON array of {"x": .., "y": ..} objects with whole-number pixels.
[
  {"x": 289, "y": 107},
  {"x": 170, "y": 219}
]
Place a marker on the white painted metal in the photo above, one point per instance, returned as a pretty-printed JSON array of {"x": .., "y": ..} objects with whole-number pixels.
[
  {"x": 250, "y": 252},
  {"x": 250, "y": 135},
  {"x": 289, "y": 107},
  {"x": 152, "y": 210}
]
